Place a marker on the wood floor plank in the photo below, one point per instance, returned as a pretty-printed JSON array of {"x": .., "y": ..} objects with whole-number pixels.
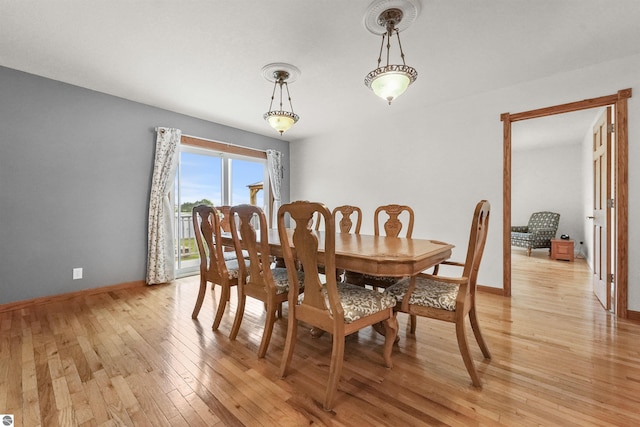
[
  {"x": 156, "y": 406},
  {"x": 114, "y": 406},
  {"x": 30, "y": 409},
  {"x": 96, "y": 401},
  {"x": 192, "y": 409},
  {"x": 46, "y": 400}
]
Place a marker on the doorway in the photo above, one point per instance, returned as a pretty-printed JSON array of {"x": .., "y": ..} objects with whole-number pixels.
[{"x": 619, "y": 101}]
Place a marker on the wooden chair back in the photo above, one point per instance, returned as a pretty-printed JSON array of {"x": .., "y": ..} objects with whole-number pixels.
[
  {"x": 315, "y": 221},
  {"x": 206, "y": 224},
  {"x": 224, "y": 214},
  {"x": 477, "y": 240},
  {"x": 313, "y": 309},
  {"x": 345, "y": 223},
  {"x": 393, "y": 224},
  {"x": 243, "y": 219}
]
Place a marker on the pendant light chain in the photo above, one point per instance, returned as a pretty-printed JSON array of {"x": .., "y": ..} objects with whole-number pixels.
[
  {"x": 381, "y": 48},
  {"x": 388, "y": 44},
  {"x": 288, "y": 97},
  {"x": 273, "y": 94},
  {"x": 400, "y": 44}
]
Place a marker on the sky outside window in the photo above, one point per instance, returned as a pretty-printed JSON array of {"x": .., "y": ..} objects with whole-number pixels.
[{"x": 201, "y": 178}]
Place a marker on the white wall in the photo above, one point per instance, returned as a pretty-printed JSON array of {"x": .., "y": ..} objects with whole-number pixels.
[
  {"x": 442, "y": 159},
  {"x": 550, "y": 179}
]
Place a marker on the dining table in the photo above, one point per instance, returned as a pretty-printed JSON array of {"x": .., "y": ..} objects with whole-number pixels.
[{"x": 370, "y": 254}]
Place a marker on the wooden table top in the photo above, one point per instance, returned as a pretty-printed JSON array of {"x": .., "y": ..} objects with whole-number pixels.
[{"x": 377, "y": 255}]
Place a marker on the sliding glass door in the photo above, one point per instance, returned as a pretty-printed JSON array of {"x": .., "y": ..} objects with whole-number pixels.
[{"x": 212, "y": 178}]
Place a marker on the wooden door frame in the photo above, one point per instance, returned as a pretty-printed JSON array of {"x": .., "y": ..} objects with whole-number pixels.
[{"x": 621, "y": 153}]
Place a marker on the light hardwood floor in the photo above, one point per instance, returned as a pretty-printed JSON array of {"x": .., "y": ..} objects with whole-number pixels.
[{"x": 135, "y": 357}]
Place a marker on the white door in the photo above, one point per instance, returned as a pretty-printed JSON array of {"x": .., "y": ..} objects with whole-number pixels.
[{"x": 602, "y": 207}]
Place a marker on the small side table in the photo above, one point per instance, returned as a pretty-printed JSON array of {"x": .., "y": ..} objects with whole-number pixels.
[{"x": 562, "y": 249}]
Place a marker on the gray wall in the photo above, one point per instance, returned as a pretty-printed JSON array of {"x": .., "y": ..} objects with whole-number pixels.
[{"x": 75, "y": 174}]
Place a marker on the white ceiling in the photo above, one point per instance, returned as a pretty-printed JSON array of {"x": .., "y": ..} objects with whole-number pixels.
[{"x": 203, "y": 58}]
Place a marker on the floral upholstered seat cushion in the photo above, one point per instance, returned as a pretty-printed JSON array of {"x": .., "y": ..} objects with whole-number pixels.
[
  {"x": 358, "y": 302},
  {"x": 232, "y": 268},
  {"x": 281, "y": 279},
  {"x": 427, "y": 293}
]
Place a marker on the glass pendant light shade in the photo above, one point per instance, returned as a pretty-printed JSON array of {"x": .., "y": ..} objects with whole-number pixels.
[
  {"x": 389, "y": 86},
  {"x": 281, "y": 121},
  {"x": 391, "y": 81}
]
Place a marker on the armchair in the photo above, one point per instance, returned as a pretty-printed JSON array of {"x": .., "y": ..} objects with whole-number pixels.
[{"x": 538, "y": 233}]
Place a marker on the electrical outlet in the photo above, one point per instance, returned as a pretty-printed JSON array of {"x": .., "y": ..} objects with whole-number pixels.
[{"x": 77, "y": 273}]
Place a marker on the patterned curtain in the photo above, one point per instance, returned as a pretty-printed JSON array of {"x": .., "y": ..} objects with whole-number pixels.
[
  {"x": 161, "y": 262},
  {"x": 276, "y": 173}
]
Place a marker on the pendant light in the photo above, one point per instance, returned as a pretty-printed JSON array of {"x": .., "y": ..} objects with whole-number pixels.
[
  {"x": 388, "y": 18},
  {"x": 281, "y": 75}
]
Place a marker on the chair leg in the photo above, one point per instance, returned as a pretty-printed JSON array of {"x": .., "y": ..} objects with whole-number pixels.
[
  {"x": 390, "y": 334},
  {"x": 224, "y": 297},
  {"x": 335, "y": 370},
  {"x": 290, "y": 343},
  {"x": 268, "y": 329},
  {"x": 414, "y": 321},
  {"x": 242, "y": 298},
  {"x": 201, "y": 293},
  {"x": 528, "y": 251},
  {"x": 279, "y": 311},
  {"x": 466, "y": 354},
  {"x": 475, "y": 326}
]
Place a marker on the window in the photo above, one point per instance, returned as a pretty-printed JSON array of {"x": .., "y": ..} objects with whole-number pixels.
[{"x": 214, "y": 174}]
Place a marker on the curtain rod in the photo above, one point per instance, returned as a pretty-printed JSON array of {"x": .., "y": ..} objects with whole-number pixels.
[{"x": 225, "y": 143}]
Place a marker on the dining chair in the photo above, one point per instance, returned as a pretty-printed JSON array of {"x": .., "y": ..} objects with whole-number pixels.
[
  {"x": 224, "y": 213},
  {"x": 225, "y": 225},
  {"x": 338, "y": 309},
  {"x": 345, "y": 224},
  {"x": 315, "y": 222},
  {"x": 452, "y": 299},
  {"x": 393, "y": 216},
  {"x": 213, "y": 266},
  {"x": 257, "y": 279}
]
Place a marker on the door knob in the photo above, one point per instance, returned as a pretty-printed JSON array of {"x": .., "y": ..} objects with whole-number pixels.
[{"x": 589, "y": 217}]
